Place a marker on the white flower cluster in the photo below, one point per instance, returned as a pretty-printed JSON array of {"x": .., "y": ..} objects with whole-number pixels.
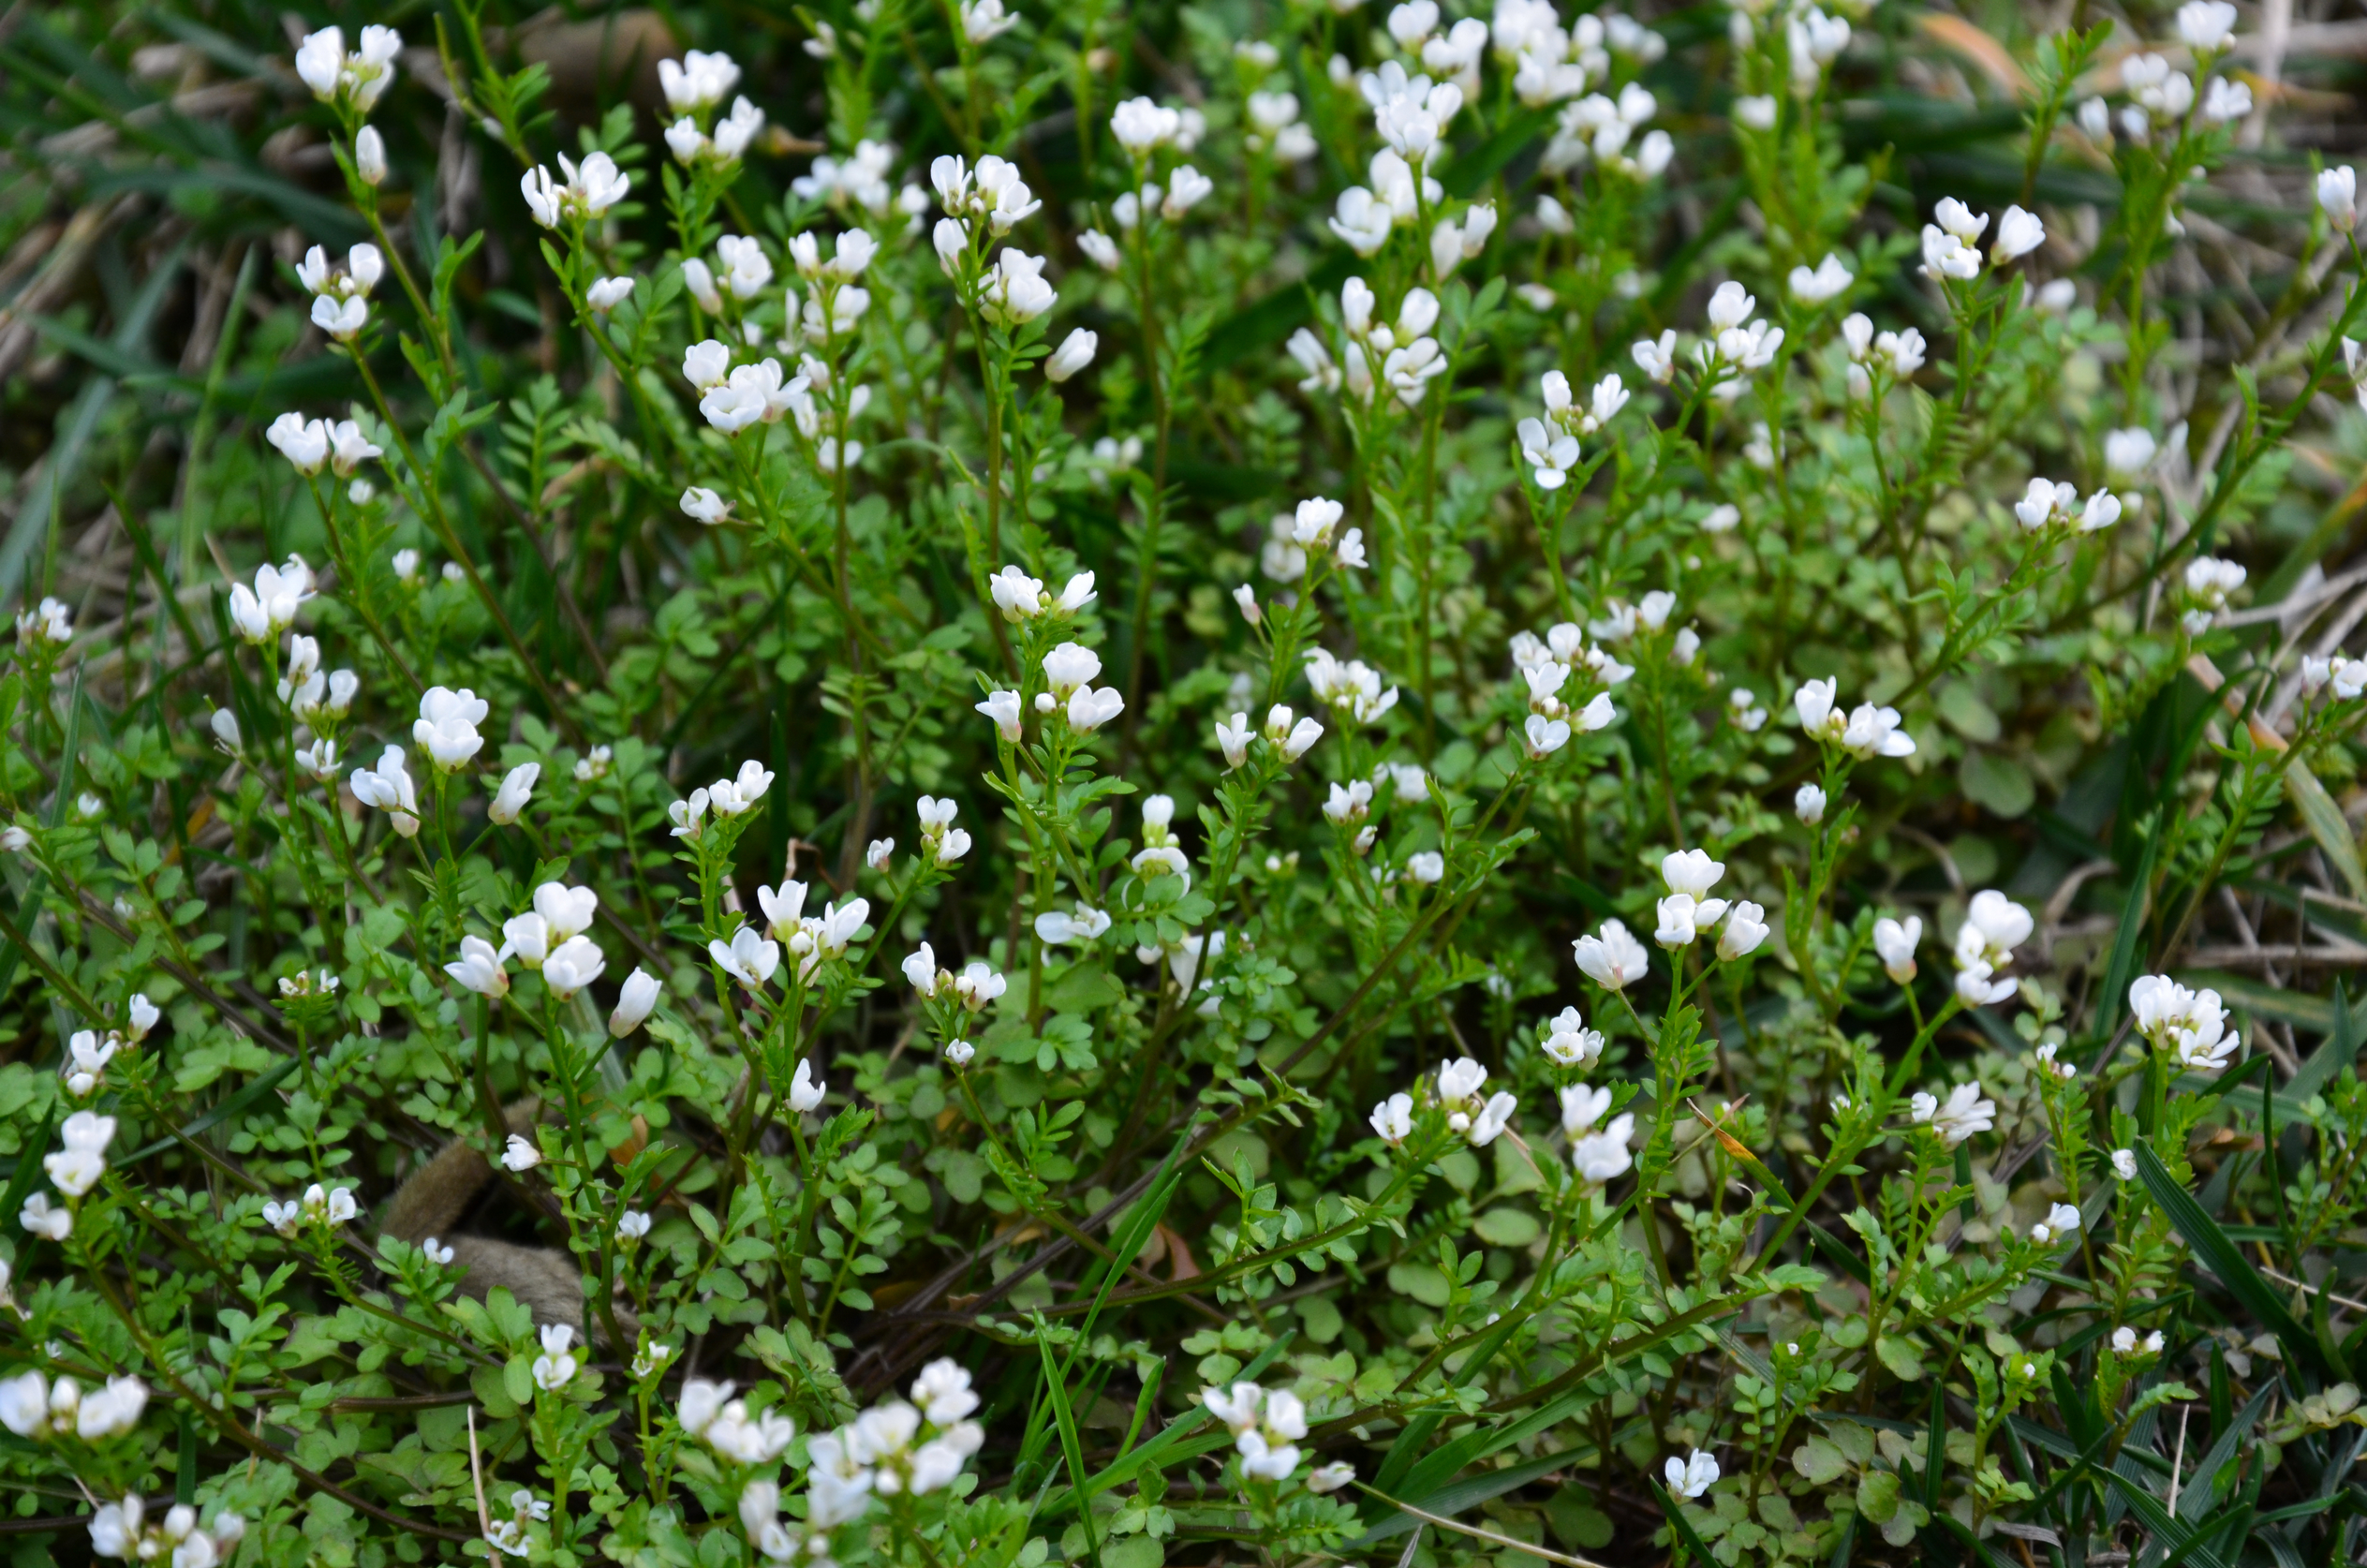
[
  {"x": 695, "y": 85},
  {"x": 708, "y": 1412},
  {"x": 1597, "y": 129},
  {"x": 318, "y": 1206},
  {"x": 49, "y": 622},
  {"x": 1690, "y": 1476},
  {"x": 74, "y": 1170},
  {"x": 1993, "y": 927},
  {"x": 2051, "y": 505},
  {"x": 892, "y": 1449},
  {"x": 2061, "y": 1220},
  {"x": 1267, "y": 1425},
  {"x": 1308, "y": 531},
  {"x": 752, "y": 956},
  {"x": 548, "y": 937},
  {"x": 1412, "y": 114},
  {"x": 311, "y": 694},
  {"x": 31, "y": 1408},
  {"x": 88, "y": 1052},
  {"x": 1597, "y": 1154},
  {"x": 728, "y": 798},
  {"x": 1350, "y": 688},
  {"x": 2346, "y": 677},
  {"x": 2125, "y": 1342},
  {"x": 1868, "y": 731},
  {"x": 1949, "y": 250},
  {"x": 2190, "y": 1026},
  {"x": 261, "y": 613},
  {"x": 125, "y": 1529},
  {"x": 1551, "y": 63},
  {"x": 2208, "y": 581},
  {"x": 1895, "y": 355},
  {"x": 356, "y": 81},
  {"x": 861, "y": 181},
  {"x": 509, "y": 1535},
  {"x": 1456, "y": 1090},
  {"x": 1688, "y": 910},
  {"x": 1289, "y": 733},
  {"x": 341, "y": 296},
  {"x": 1551, "y": 446}
]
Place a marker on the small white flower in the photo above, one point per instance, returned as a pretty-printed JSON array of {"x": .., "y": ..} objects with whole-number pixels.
[
  {"x": 519, "y": 1155},
  {"x": 2125, "y": 1163},
  {"x": 1692, "y": 1475},
  {"x": 1895, "y": 942},
  {"x": 1613, "y": 959},
  {"x": 2061, "y": 1220}
]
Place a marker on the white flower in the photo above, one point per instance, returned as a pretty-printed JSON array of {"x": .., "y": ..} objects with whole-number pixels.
[
  {"x": 555, "y": 1368},
  {"x": 304, "y": 443},
  {"x": 1692, "y": 1475},
  {"x": 1601, "y": 1157},
  {"x": 1330, "y": 1477},
  {"x": 1961, "y": 1114},
  {"x": 1993, "y": 927},
  {"x": 749, "y": 957},
  {"x": 2125, "y": 1163},
  {"x": 608, "y": 293},
  {"x": 2226, "y": 100},
  {"x": 1393, "y": 1119},
  {"x": 115, "y": 1408},
  {"x": 2190, "y": 1026},
  {"x": 2019, "y": 234},
  {"x": 1003, "y": 707},
  {"x": 571, "y": 965},
  {"x": 520, "y": 1156},
  {"x": 1582, "y": 1107},
  {"x": 1745, "y": 929},
  {"x": 879, "y": 855},
  {"x": 1551, "y": 455},
  {"x": 634, "y": 1002},
  {"x": 806, "y": 1091},
  {"x": 1829, "y": 281},
  {"x": 1014, "y": 292},
  {"x": 445, "y": 729},
  {"x": 40, "y": 1218},
  {"x": 701, "y": 505},
  {"x": 2338, "y": 197},
  {"x": 389, "y": 788},
  {"x": 517, "y": 788},
  {"x": 1542, "y": 736},
  {"x": 2205, "y": 27},
  {"x": 588, "y": 192},
  {"x": 1807, "y": 804},
  {"x": 1873, "y": 731},
  {"x": 1426, "y": 868},
  {"x": 1090, "y": 708},
  {"x": 479, "y": 968},
  {"x": 269, "y": 608},
  {"x": 698, "y": 81},
  {"x": 2061, "y": 1220},
  {"x": 1568, "y": 1043},
  {"x": 1074, "y": 353},
  {"x": 1233, "y": 740},
  {"x": 1895, "y": 942},
  {"x": 1613, "y": 959},
  {"x": 978, "y": 986}
]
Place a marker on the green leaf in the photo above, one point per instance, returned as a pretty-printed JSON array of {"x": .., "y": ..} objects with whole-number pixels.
[
  {"x": 2215, "y": 1252},
  {"x": 2328, "y": 825},
  {"x": 1507, "y": 1227}
]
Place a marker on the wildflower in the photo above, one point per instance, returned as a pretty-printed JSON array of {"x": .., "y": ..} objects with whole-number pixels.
[
  {"x": 1426, "y": 868},
  {"x": 1233, "y": 739},
  {"x": 360, "y": 78},
  {"x": 2044, "y": 1058},
  {"x": 2019, "y": 234},
  {"x": 520, "y": 1156},
  {"x": 571, "y": 965},
  {"x": 1550, "y": 457},
  {"x": 632, "y": 1225},
  {"x": 879, "y": 853},
  {"x": 2208, "y": 582},
  {"x": 1808, "y": 805},
  {"x": 1961, "y": 1114},
  {"x": 1003, "y": 708},
  {"x": 806, "y": 1091},
  {"x": 978, "y": 986},
  {"x": 260, "y": 613},
  {"x": 1090, "y": 709},
  {"x": 304, "y": 443},
  {"x": 1827, "y": 282},
  {"x": 1074, "y": 353},
  {"x": 2125, "y": 1163},
  {"x": 2206, "y": 27},
  {"x": 480, "y": 969},
  {"x": 1393, "y": 1119},
  {"x": 555, "y": 1368},
  {"x": 445, "y": 729},
  {"x": 1058, "y": 928},
  {"x": 608, "y": 293},
  {"x": 1692, "y": 1475},
  {"x": 1873, "y": 731},
  {"x": 637, "y": 998},
  {"x": 1745, "y": 929},
  {"x": 1895, "y": 942},
  {"x": 517, "y": 788},
  {"x": 2061, "y": 1220},
  {"x": 40, "y": 1218},
  {"x": 748, "y": 957},
  {"x": 1330, "y": 1477},
  {"x": 1613, "y": 959},
  {"x": 2338, "y": 197},
  {"x": 1602, "y": 1155},
  {"x": 1568, "y": 1043},
  {"x": 75, "y": 1169},
  {"x": 2190, "y": 1026},
  {"x": 589, "y": 191},
  {"x": 1582, "y": 1107},
  {"x": 698, "y": 81}
]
